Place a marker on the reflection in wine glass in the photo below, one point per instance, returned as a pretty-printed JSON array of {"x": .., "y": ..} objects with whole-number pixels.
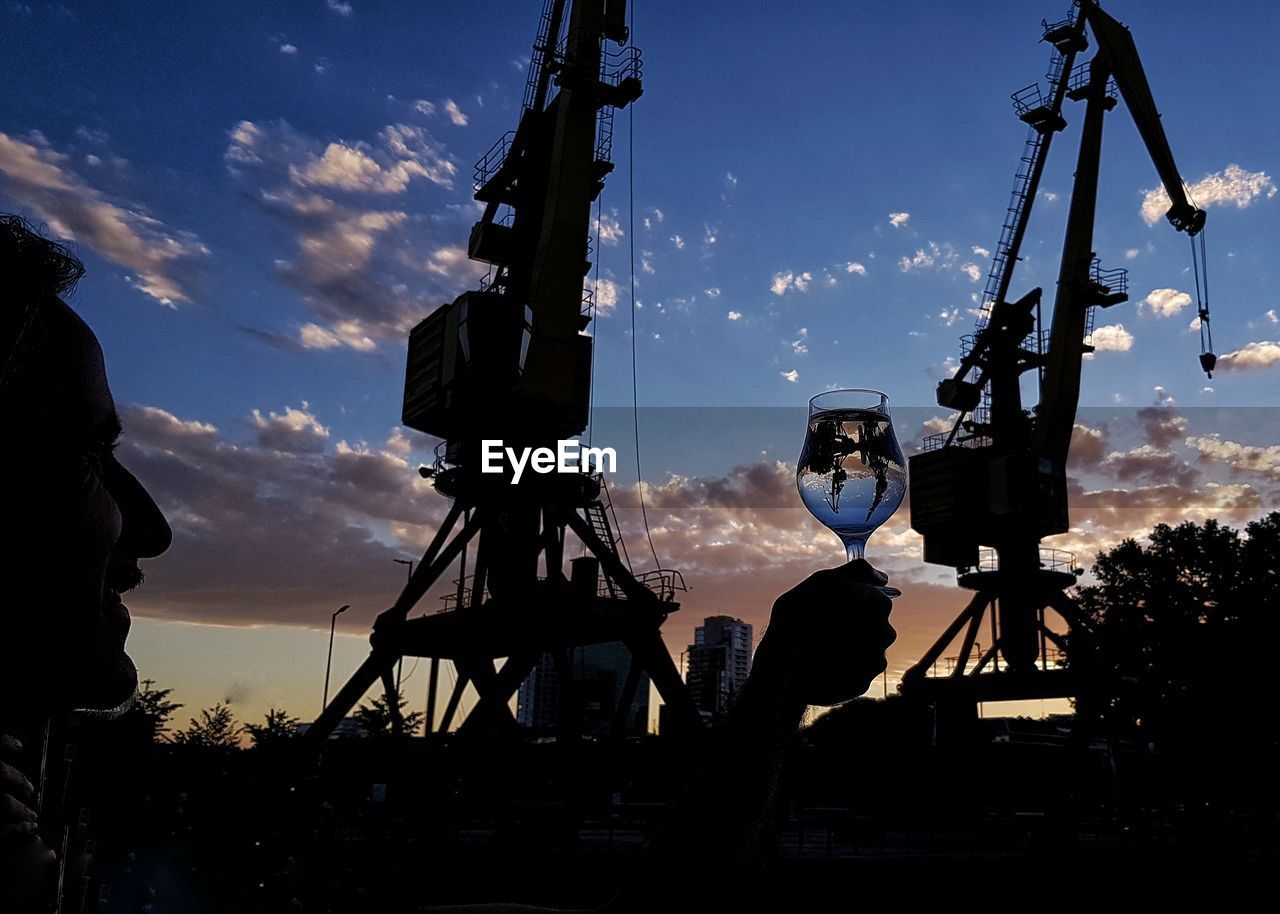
[{"x": 851, "y": 474}]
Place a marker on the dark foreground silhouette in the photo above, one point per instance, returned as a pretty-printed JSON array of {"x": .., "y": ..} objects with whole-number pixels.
[
  {"x": 83, "y": 522},
  {"x": 78, "y": 522},
  {"x": 1173, "y": 790}
]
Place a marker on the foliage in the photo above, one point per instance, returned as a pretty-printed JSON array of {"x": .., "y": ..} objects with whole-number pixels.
[
  {"x": 278, "y": 727},
  {"x": 374, "y": 719},
  {"x": 215, "y": 729},
  {"x": 154, "y": 707},
  {"x": 1186, "y": 623}
]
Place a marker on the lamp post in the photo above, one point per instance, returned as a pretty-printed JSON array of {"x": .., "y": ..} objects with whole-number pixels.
[{"x": 333, "y": 624}]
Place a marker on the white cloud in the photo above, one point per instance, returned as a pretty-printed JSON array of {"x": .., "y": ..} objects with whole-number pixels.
[
  {"x": 339, "y": 6},
  {"x": 313, "y": 336},
  {"x": 678, "y": 242},
  {"x": 798, "y": 346},
  {"x": 407, "y": 152},
  {"x": 36, "y": 177},
  {"x": 288, "y": 49},
  {"x": 1165, "y": 302},
  {"x": 712, "y": 293},
  {"x": 608, "y": 227},
  {"x": 709, "y": 234},
  {"x": 295, "y": 430},
  {"x": 452, "y": 262},
  {"x": 980, "y": 251},
  {"x": 1131, "y": 254},
  {"x": 793, "y": 376},
  {"x": 606, "y": 296},
  {"x": 1163, "y": 397},
  {"x": 424, "y": 107},
  {"x": 455, "y": 113},
  {"x": 1112, "y": 338},
  {"x": 920, "y": 261},
  {"x": 1231, "y": 185},
  {"x": 786, "y": 281},
  {"x": 735, "y": 315},
  {"x": 1251, "y": 356},
  {"x": 854, "y": 267},
  {"x": 349, "y": 333},
  {"x": 972, "y": 271},
  {"x": 731, "y": 179},
  {"x": 1272, "y": 316},
  {"x": 898, "y": 220},
  {"x": 1241, "y": 457},
  {"x": 172, "y": 426}
]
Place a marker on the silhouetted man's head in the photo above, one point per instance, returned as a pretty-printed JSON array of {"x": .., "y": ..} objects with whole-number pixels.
[{"x": 77, "y": 520}]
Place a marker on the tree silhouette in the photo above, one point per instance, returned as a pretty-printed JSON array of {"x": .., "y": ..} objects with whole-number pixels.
[
  {"x": 278, "y": 727},
  {"x": 153, "y": 706},
  {"x": 374, "y": 719},
  {"x": 1186, "y": 625},
  {"x": 215, "y": 729}
]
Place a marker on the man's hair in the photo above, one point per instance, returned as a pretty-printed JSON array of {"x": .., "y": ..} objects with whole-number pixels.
[
  {"x": 33, "y": 269},
  {"x": 30, "y": 262}
]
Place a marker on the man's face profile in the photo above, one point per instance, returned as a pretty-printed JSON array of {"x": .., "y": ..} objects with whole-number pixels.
[{"x": 79, "y": 521}]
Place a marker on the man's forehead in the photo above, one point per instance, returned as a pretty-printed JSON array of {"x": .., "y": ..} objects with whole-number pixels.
[{"x": 78, "y": 382}]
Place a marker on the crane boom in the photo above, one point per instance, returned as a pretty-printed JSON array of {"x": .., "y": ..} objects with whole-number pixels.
[
  {"x": 1116, "y": 42},
  {"x": 1079, "y": 286}
]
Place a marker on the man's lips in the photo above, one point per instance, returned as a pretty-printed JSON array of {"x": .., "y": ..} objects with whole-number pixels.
[{"x": 115, "y": 613}]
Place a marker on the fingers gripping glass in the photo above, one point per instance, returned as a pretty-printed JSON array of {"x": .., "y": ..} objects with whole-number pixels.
[{"x": 851, "y": 474}]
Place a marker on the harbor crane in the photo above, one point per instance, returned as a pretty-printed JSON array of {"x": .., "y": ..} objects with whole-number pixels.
[
  {"x": 511, "y": 361},
  {"x": 985, "y": 494}
]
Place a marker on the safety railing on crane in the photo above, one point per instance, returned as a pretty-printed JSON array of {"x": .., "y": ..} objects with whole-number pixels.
[
  {"x": 1114, "y": 281},
  {"x": 1050, "y": 560},
  {"x": 663, "y": 583},
  {"x": 1079, "y": 78},
  {"x": 1028, "y": 99},
  {"x": 938, "y": 441},
  {"x": 492, "y": 161}
]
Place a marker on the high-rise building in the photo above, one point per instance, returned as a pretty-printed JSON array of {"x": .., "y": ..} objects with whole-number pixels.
[
  {"x": 599, "y": 677},
  {"x": 719, "y": 661}
]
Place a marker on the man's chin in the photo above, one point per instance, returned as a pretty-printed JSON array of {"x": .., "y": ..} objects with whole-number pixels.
[{"x": 112, "y": 688}]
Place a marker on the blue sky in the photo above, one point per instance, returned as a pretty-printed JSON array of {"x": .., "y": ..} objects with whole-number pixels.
[{"x": 267, "y": 195}]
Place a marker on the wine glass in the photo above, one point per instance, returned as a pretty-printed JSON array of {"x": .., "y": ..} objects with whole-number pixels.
[{"x": 851, "y": 473}]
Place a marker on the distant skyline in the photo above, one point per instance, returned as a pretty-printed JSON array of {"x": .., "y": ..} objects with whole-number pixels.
[{"x": 267, "y": 196}]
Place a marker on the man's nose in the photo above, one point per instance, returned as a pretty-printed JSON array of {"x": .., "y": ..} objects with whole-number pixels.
[{"x": 144, "y": 533}]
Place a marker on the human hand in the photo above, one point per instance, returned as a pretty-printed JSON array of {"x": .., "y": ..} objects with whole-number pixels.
[
  {"x": 828, "y": 634},
  {"x": 23, "y": 857}
]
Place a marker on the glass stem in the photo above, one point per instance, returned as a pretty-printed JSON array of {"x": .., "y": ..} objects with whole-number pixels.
[{"x": 855, "y": 547}]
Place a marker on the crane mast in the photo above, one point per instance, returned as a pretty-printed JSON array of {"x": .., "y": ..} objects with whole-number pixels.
[
  {"x": 998, "y": 478},
  {"x": 511, "y": 361}
]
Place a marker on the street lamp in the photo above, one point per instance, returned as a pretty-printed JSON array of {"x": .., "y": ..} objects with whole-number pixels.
[
  {"x": 400, "y": 665},
  {"x": 333, "y": 624}
]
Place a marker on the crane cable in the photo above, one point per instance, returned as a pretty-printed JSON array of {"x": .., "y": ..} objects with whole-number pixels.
[
  {"x": 631, "y": 234},
  {"x": 1200, "y": 269}
]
